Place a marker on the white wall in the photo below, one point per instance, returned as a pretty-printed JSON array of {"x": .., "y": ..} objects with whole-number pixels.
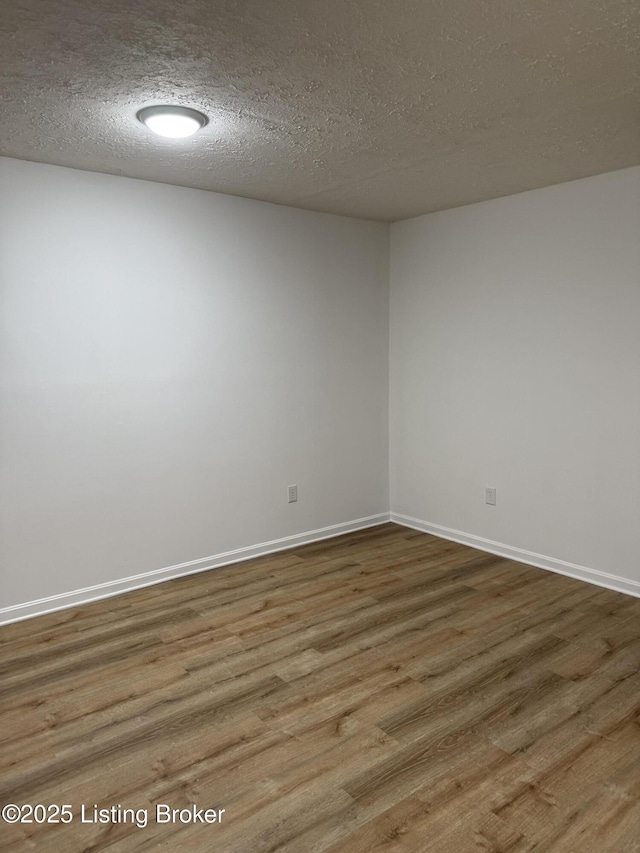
[
  {"x": 171, "y": 360},
  {"x": 515, "y": 363}
]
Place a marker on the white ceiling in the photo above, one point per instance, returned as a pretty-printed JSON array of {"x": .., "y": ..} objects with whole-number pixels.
[{"x": 382, "y": 109}]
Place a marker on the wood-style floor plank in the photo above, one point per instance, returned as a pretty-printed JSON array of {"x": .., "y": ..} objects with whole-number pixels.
[{"x": 380, "y": 691}]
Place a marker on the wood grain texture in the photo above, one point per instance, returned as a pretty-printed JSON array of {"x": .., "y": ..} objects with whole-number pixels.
[{"x": 381, "y": 691}]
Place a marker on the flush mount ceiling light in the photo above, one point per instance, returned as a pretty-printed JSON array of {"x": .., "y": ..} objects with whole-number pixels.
[{"x": 174, "y": 122}]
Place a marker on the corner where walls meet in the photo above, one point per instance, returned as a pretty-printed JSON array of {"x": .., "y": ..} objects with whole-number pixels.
[{"x": 173, "y": 360}]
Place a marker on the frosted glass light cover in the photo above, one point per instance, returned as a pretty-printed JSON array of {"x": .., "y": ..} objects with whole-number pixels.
[{"x": 173, "y": 122}]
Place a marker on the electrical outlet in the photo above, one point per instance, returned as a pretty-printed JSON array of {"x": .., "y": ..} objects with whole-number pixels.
[
  {"x": 490, "y": 496},
  {"x": 292, "y": 492}
]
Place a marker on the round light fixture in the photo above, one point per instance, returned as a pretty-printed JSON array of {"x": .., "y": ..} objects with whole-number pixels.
[{"x": 174, "y": 122}]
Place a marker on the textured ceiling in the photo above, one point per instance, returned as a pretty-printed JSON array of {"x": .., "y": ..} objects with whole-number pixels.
[{"x": 368, "y": 108}]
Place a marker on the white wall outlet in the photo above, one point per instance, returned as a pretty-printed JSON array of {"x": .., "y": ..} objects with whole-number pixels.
[
  {"x": 490, "y": 496},
  {"x": 292, "y": 494}
]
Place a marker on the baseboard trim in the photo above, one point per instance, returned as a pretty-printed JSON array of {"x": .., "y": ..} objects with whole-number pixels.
[
  {"x": 62, "y": 601},
  {"x": 561, "y": 567}
]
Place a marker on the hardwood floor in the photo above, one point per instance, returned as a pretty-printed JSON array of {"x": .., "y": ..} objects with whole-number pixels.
[{"x": 381, "y": 691}]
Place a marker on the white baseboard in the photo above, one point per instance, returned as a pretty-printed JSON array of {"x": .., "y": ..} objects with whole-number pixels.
[
  {"x": 116, "y": 587},
  {"x": 88, "y": 594},
  {"x": 572, "y": 570}
]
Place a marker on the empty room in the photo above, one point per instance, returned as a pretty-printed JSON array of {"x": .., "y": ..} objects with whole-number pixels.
[{"x": 320, "y": 426}]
